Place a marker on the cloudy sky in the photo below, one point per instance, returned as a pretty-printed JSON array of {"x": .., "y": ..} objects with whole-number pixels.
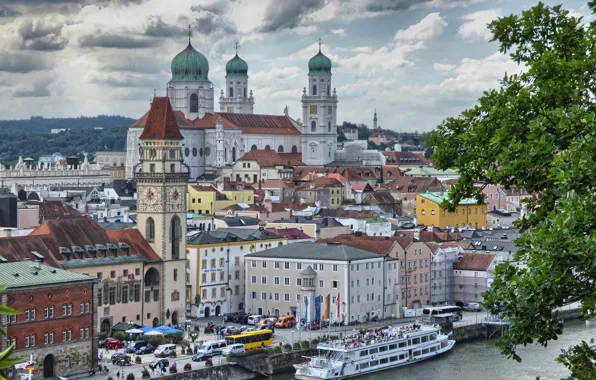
[{"x": 415, "y": 61}]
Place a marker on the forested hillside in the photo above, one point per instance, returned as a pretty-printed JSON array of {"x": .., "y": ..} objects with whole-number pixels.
[{"x": 41, "y": 124}]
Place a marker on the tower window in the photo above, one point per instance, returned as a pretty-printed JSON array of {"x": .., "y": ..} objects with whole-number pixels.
[
  {"x": 294, "y": 149},
  {"x": 254, "y": 147},
  {"x": 194, "y": 103},
  {"x": 314, "y": 89},
  {"x": 231, "y": 92},
  {"x": 313, "y": 126},
  {"x": 245, "y": 91},
  {"x": 152, "y": 168},
  {"x": 329, "y": 127},
  {"x": 328, "y": 89},
  {"x": 267, "y": 147},
  {"x": 280, "y": 149},
  {"x": 175, "y": 234},
  {"x": 150, "y": 229}
]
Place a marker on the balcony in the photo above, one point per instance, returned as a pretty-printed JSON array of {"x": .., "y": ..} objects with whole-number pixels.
[{"x": 146, "y": 175}]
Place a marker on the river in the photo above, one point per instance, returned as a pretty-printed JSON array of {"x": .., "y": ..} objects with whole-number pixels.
[{"x": 481, "y": 359}]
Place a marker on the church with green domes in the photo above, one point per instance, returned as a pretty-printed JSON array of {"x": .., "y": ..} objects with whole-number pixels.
[{"x": 216, "y": 140}]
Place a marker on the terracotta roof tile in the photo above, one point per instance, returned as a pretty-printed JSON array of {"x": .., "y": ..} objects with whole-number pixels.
[
  {"x": 350, "y": 173},
  {"x": 407, "y": 184},
  {"x": 268, "y": 158},
  {"x": 290, "y": 233},
  {"x": 53, "y": 209},
  {"x": 277, "y": 184},
  {"x": 375, "y": 244},
  {"x": 379, "y": 197},
  {"x": 336, "y": 213},
  {"x": 361, "y": 186},
  {"x": 161, "y": 123},
  {"x": 406, "y": 158},
  {"x": 262, "y": 124},
  {"x": 474, "y": 261}
]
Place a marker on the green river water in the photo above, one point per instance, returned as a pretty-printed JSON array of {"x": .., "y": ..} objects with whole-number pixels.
[{"x": 481, "y": 360}]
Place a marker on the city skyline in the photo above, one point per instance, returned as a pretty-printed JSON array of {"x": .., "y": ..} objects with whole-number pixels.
[{"x": 416, "y": 62}]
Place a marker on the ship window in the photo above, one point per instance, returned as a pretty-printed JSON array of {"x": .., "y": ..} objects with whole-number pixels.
[
  {"x": 393, "y": 358},
  {"x": 402, "y": 356},
  {"x": 416, "y": 341},
  {"x": 424, "y": 338},
  {"x": 392, "y": 346},
  {"x": 373, "y": 351},
  {"x": 433, "y": 349},
  {"x": 384, "y": 361},
  {"x": 374, "y": 363},
  {"x": 363, "y": 365},
  {"x": 363, "y": 353},
  {"x": 416, "y": 353},
  {"x": 382, "y": 348},
  {"x": 425, "y": 351},
  {"x": 433, "y": 337},
  {"x": 357, "y": 367},
  {"x": 403, "y": 344}
]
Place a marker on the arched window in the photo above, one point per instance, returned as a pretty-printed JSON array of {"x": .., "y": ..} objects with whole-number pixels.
[
  {"x": 254, "y": 147},
  {"x": 150, "y": 229},
  {"x": 231, "y": 92},
  {"x": 313, "y": 126},
  {"x": 294, "y": 149},
  {"x": 314, "y": 89},
  {"x": 267, "y": 147},
  {"x": 328, "y": 89},
  {"x": 329, "y": 127},
  {"x": 280, "y": 149},
  {"x": 194, "y": 103},
  {"x": 234, "y": 154},
  {"x": 175, "y": 235}
]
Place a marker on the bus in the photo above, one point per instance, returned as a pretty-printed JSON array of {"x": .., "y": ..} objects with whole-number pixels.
[
  {"x": 252, "y": 339},
  {"x": 429, "y": 312}
]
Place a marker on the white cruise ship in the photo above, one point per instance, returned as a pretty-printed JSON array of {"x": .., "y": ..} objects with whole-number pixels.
[{"x": 374, "y": 350}]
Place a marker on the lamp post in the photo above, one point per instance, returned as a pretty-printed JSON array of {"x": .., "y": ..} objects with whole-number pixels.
[{"x": 292, "y": 339}]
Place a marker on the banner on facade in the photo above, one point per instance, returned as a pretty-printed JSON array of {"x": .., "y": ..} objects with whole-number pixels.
[
  {"x": 298, "y": 314},
  {"x": 306, "y": 309},
  {"x": 326, "y": 308},
  {"x": 318, "y": 308}
]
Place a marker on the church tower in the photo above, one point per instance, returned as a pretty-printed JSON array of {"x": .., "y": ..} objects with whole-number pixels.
[
  {"x": 319, "y": 111},
  {"x": 236, "y": 98},
  {"x": 375, "y": 126},
  {"x": 190, "y": 89},
  {"x": 161, "y": 205}
]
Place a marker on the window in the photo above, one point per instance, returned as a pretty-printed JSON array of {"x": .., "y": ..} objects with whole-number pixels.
[
  {"x": 236, "y": 290},
  {"x": 298, "y": 282},
  {"x": 46, "y": 339},
  {"x": 264, "y": 280},
  {"x": 87, "y": 332},
  {"x": 287, "y": 297},
  {"x": 314, "y": 89},
  {"x": 237, "y": 261},
  {"x": 334, "y": 267},
  {"x": 212, "y": 276},
  {"x": 45, "y": 312},
  {"x": 213, "y": 293},
  {"x": 264, "y": 264},
  {"x": 286, "y": 265},
  {"x": 156, "y": 295},
  {"x": 63, "y": 310},
  {"x": 237, "y": 275},
  {"x": 194, "y": 103},
  {"x": 263, "y": 295},
  {"x": 275, "y": 280},
  {"x": 112, "y": 296},
  {"x": 64, "y": 335},
  {"x": 231, "y": 92},
  {"x": 335, "y": 284},
  {"x": 204, "y": 294},
  {"x": 81, "y": 333},
  {"x": 27, "y": 314},
  {"x": 254, "y": 295},
  {"x": 253, "y": 279},
  {"x": 203, "y": 278},
  {"x": 221, "y": 262},
  {"x": 222, "y": 292},
  {"x": 313, "y": 126},
  {"x": 52, "y": 310},
  {"x": 175, "y": 274},
  {"x": 286, "y": 281},
  {"x": 137, "y": 291},
  {"x": 422, "y": 212},
  {"x": 276, "y": 265},
  {"x": 124, "y": 293},
  {"x": 32, "y": 340},
  {"x": 113, "y": 274},
  {"x": 82, "y": 308},
  {"x": 321, "y": 283},
  {"x": 329, "y": 127},
  {"x": 27, "y": 341},
  {"x": 253, "y": 264}
]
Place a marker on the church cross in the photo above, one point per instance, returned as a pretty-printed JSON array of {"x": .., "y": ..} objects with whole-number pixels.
[{"x": 189, "y": 33}]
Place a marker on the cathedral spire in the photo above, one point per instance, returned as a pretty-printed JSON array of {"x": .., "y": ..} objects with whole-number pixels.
[
  {"x": 236, "y": 47},
  {"x": 189, "y": 34},
  {"x": 319, "y": 44}
]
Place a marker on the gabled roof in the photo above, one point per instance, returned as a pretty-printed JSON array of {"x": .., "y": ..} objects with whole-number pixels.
[
  {"x": 337, "y": 213},
  {"x": 250, "y": 123},
  {"x": 320, "y": 183},
  {"x": 290, "y": 233},
  {"x": 268, "y": 158},
  {"x": 430, "y": 235},
  {"x": 474, "y": 261},
  {"x": 183, "y": 123},
  {"x": 222, "y": 235},
  {"x": 439, "y": 197},
  {"x": 161, "y": 123},
  {"x": 376, "y": 244},
  {"x": 408, "y": 184},
  {"x": 361, "y": 186},
  {"x": 53, "y": 209},
  {"x": 308, "y": 271},
  {"x": 406, "y": 158},
  {"x": 349, "y": 173},
  {"x": 242, "y": 207},
  {"x": 277, "y": 184},
  {"x": 379, "y": 197},
  {"x": 25, "y": 274},
  {"x": 80, "y": 232},
  {"x": 239, "y": 221},
  {"x": 315, "y": 251}
]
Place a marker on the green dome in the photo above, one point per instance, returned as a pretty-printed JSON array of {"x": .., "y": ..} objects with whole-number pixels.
[
  {"x": 190, "y": 66},
  {"x": 319, "y": 64},
  {"x": 236, "y": 66}
]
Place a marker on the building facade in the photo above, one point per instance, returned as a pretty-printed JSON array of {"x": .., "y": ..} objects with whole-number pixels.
[
  {"x": 56, "y": 325},
  {"x": 351, "y": 282},
  {"x": 468, "y": 212},
  {"x": 473, "y": 275},
  {"x": 443, "y": 260}
]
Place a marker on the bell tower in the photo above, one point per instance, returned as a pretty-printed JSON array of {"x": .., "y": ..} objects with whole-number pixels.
[{"x": 161, "y": 204}]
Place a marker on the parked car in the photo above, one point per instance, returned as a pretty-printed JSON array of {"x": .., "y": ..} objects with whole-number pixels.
[
  {"x": 237, "y": 348},
  {"x": 158, "y": 363},
  {"x": 253, "y": 319},
  {"x": 120, "y": 359},
  {"x": 472, "y": 306},
  {"x": 134, "y": 346},
  {"x": 110, "y": 343},
  {"x": 286, "y": 321},
  {"x": 148, "y": 349},
  {"x": 312, "y": 326}
]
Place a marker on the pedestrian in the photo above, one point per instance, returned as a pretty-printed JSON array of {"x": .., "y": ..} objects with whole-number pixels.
[{"x": 118, "y": 375}]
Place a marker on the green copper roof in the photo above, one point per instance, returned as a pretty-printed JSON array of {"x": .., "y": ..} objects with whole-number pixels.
[
  {"x": 319, "y": 64},
  {"x": 438, "y": 198},
  {"x": 236, "y": 66},
  {"x": 24, "y": 274},
  {"x": 190, "y": 66}
]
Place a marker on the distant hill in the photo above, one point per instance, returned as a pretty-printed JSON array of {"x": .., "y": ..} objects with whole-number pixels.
[{"x": 41, "y": 124}]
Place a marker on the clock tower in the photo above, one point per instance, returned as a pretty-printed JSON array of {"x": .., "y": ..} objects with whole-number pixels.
[
  {"x": 161, "y": 205},
  {"x": 319, "y": 112}
]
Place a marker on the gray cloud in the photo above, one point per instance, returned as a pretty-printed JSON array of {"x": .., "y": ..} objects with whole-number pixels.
[
  {"x": 393, "y": 5},
  {"x": 158, "y": 28},
  {"x": 21, "y": 63},
  {"x": 6, "y": 12},
  {"x": 42, "y": 36},
  {"x": 137, "y": 64},
  {"x": 115, "y": 41},
  {"x": 40, "y": 89},
  {"x": 219, "y": 8},
  {"x": 288, "y": 14}
]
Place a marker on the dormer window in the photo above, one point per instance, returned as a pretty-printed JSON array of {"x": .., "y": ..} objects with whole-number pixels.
[
  {"x": 102, "y": 249},
  {"x": 76, "y": 250},
  {"x": 113, "y": 248},
  {"x": 92, "y": 250},
  {"x": 124, "y": 247}
]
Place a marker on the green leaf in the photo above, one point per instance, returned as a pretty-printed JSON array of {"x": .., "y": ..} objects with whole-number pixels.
[{"x": 5, "y": 310}]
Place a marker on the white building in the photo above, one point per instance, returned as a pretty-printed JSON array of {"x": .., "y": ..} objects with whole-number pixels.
[
  {"x": 205, "y": 149},
  {"x": 216, "y": 262},
  {"x": 354, "y": 285},
  {"x": 369, "y": 226}
]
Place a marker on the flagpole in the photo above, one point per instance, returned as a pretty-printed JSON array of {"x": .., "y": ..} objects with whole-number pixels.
[{"x": 30, "y": 361}]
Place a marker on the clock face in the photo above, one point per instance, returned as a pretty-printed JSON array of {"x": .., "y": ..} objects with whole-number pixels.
[
  {"x": 150, "y": 196},
  {"x": 313, "y": 110},
  {"x": 175, "y": 196}
]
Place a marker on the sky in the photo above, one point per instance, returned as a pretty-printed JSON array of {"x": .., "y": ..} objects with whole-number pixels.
[{"x": 416, "y": 62}]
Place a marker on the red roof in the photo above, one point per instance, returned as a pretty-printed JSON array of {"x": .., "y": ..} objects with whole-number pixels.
[
  {"x": 408, "y": 184},
  {"x": 431, "y": 235},
  {"x": 261, "y": 124},
  {"x": 406, "y": 158},
  {"x": 474, "y": 261},
  {"x": 375, "y": 244},
  {"x": 448, "y": 244},
  {"x": 379, "y": 198},
  {"x": 51, "y": 235},
  {"x": 267, "y": 158},
  {"x": 53, "y": 209},
  {"x": 350, "y": 173},
  {"x": 361, "y": 186},
  {"x": 161, "y": 123},
  {"x": 290, "y": 233},
  {"x": 276, "y": 184}
]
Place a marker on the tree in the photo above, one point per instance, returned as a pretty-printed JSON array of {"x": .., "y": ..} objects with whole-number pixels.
[
  {"x": 6, "y": 359},
  {"x": 537, "y": 133}
]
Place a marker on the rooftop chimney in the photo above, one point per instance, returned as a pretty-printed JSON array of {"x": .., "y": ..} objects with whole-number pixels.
[{"x": 38, "y": 264}]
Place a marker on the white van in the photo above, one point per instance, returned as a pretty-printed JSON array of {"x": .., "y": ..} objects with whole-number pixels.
[
  {"x": 212, "y": 347},
  {"x": 253, "y": 319},
  {"x": 236, "y": 348},
  {"x": 165, "y": 349}
]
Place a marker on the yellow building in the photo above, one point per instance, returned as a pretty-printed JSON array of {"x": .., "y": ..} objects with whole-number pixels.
[
  {"x": 206, "y": 199},
  {"x": 467, "y": 213}
]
